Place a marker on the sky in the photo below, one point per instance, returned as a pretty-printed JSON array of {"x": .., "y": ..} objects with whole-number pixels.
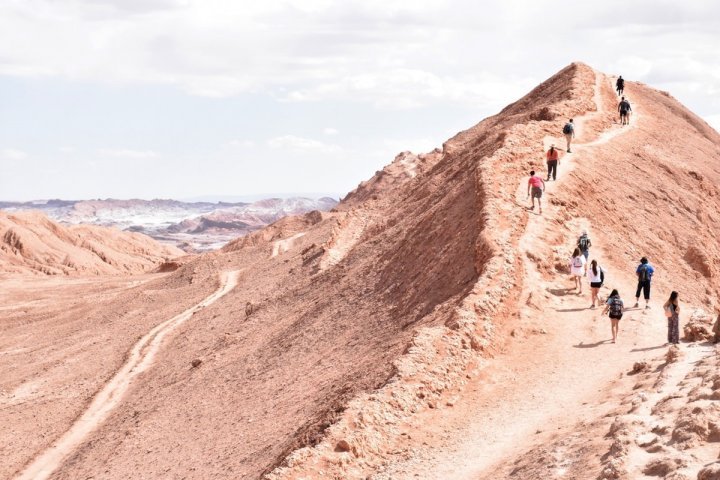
[{"x": 189, "y": 98}]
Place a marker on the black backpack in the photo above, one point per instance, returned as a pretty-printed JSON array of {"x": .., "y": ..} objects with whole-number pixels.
[
  {"x": 568, "y": 128},
  {"x": 583, "y": 243},
  {"x": 616, "y": 306},
  {"x": 624, "y": 106},
  {"x": 602, "y": 276},
  {"x": 643, "y": 273}
]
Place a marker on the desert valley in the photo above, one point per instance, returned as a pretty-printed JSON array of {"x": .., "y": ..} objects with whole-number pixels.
[{"x": 423, "y": 327}]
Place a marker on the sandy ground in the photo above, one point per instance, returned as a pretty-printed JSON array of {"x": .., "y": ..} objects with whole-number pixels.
[{"x": 423, "y": 329}]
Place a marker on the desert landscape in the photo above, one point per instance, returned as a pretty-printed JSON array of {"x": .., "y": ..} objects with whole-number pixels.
[{"x": 424, "y": 327}]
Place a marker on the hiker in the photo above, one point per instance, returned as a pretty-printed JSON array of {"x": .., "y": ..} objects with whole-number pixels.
[
  {"x": 672, "y": 312},
  {"x": 552, "y": 162},
  {"x": 578, "y": 268},
  {"x": 584, "y": 244},
  {"x": 536, "y": 186},
  {"x": 569, "y": 131},
  {"x": 624, "y": 109},
  {"x": 716, "y": 327},
  {"x": 615, "y": 308},
  {"x": 644, "y": 272},
  {"x": 596, "y": 275},
  {"x": 620, "y": 85}
]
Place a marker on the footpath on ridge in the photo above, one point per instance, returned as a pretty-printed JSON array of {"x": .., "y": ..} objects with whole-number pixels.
[{"x": 560, "y": 367}]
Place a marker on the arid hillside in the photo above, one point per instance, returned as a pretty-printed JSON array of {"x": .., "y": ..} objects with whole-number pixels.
[
  {"x": 30, "y": 242},
  {"x": 349, "y": 344}
]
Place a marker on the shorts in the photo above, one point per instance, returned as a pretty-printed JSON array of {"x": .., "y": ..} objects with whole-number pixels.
[
  {"x": 616, "y": 317},
  {"x": 596, "y": 284},
  {"x": 623, "y": 113},
  {"x": 536, "y": 192}
]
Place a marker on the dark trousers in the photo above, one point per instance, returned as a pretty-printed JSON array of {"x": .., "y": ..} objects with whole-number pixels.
[
  {"x": 645, "y": 288},
  {"x": 552, "y": 169},
  {"x": 673, "y": 329}
]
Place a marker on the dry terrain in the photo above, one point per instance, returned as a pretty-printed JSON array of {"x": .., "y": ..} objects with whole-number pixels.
[{"x": 424, "y": 328}]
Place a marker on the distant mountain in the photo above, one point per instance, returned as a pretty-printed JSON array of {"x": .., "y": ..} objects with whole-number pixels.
[{"x": 193, "y": 226}]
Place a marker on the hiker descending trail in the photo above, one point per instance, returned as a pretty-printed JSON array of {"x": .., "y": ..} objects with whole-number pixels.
[{"x": 140, "y": 358}]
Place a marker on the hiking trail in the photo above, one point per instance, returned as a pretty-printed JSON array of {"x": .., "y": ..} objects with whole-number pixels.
[
  {"x": 140, "y": 358},
  {"x": 525, "y": 394}
]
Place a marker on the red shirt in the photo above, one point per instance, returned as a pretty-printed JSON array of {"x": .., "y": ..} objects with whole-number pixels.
[
  {"x": 552, "y": 154},
  {"x": 536, "y": 181}
]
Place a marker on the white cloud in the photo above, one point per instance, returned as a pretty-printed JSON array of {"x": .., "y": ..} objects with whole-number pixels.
[
  {"x": 241, "y": 143},
  {"x": 330, "y": 131},
  {"x": 128, "y": 153},
  {"x": 390, "y": 53},
  {"x": 300, "y": 144},
  {"x": 13, "y": 154}
]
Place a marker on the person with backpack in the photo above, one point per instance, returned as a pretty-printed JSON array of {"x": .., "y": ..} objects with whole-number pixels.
[
  {"x": 624, "y": 109},
  {"x": 536, "y": 185},
  {"x": 553, "y": 160},
  {"x": 578, "y": 268},
  {"x": 644, "y": 273},
  {"x": 614, "y": 307},
  {"x": 620, "y": 85},
  {"x": 584, "y": 244},
  {"x": 672, "y": 313},
  {"x": 569, "y": 132},
  {"x": 596, "y": 275}
]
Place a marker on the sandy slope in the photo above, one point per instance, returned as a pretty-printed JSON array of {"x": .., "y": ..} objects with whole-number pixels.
[
  {"x": 32, "y": 243},
  {"x": 141, "y": 358}
]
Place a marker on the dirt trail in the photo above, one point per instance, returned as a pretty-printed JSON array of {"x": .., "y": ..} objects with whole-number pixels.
[
  {"x": 541, "y": 384},
  {"x": 140, "y": 359}
]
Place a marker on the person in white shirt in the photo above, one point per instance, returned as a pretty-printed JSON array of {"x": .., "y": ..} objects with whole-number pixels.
[
  {"x": 578, "y": 268},
  {"x": 597, "y": 277}
]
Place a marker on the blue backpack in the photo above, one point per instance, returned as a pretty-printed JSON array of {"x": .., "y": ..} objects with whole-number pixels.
[{"x": 568, "y": 128}]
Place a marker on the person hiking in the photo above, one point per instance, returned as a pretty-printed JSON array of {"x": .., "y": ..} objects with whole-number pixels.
[
  {"x": 620, "y": 85},
  {"x": 578, "y": 268},
  {"x": 569, "y": 132},
  {"x": 584, "y": 244},
  {"x": 552, "y": 162},
  {"x": 672, "y": 313},
  {"x": 716, "y": 327},
  {"x": 625, "y": 110},
  {"x": 596, "y": 275},
  {"x": 644, "y": 273},
  {"x": 536, "y": 186},
  {"x": 614, "y": 307}
]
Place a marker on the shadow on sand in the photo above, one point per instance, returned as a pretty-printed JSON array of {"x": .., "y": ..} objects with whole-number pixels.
[{"x": 592, "y": 345}]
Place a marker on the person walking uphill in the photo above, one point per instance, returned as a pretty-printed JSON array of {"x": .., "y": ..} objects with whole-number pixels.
[
  {"x": 596, "y": 275},
  {"x": 672, "y": 312},
  {"x": 578, "y": 268},
  {"x": 620, "y": 85},
  {"x": 552, "y": 162},
  {"x": 536, "y": 186},
  {"x": 584, "y": 244},
  {"x": 615, "y": 307},
  {"x": 569, "y": 132},
  {"x": 625, "y": 110},
  {"x": 644, "y": 273}
]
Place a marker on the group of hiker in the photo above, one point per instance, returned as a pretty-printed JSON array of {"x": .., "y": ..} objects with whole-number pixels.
[{"x": 578, "y": 265}]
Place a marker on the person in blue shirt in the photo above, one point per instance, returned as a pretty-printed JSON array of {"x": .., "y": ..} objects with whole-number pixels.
[{"x": 644, "y": 272}]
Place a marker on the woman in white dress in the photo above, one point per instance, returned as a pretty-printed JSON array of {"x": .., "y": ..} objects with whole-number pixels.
[{"x": 578, "y": 268}]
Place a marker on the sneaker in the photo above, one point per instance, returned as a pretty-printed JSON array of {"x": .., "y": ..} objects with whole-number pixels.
[
  {"x": 636, "y": 305},
  {"x": 569, "y": 151},
  {"x": 592, "y": 306},
  {"x": 647, "y": 307}
]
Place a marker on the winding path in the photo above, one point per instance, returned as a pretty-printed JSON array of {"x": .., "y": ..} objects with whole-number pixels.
[{"x": 140, "y": 359}]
